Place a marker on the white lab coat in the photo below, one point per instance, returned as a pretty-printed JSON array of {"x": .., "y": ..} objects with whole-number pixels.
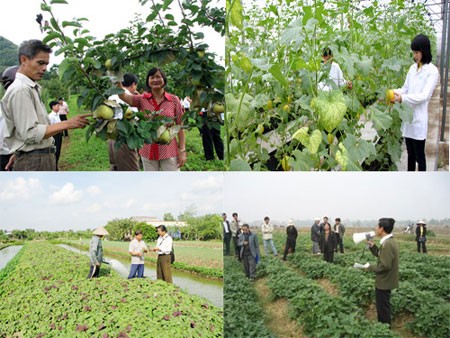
[
  {"x": 417, "y": 92},
  {"x": 334, "y": 75}
]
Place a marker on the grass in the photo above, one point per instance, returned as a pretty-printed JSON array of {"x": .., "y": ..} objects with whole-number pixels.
[
  {"x": 79, "y": 155},
  {"x": 204, "y": 258}
]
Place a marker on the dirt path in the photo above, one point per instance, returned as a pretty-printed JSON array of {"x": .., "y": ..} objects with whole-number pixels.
[{"x": 276, "y": 313}]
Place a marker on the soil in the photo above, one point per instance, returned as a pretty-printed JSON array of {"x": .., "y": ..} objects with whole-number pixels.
[
  {"x": 398, "y": 324},
  {"x": 276, "y": 313},
  {"x": 329, "y": 287}
]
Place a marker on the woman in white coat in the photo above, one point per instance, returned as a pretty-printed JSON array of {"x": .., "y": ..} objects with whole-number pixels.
[{"x": 416, "y": 92}]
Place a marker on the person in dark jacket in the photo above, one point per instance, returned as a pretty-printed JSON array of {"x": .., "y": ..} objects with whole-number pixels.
[
  {"x": 291, "y": 240},
  {"x": 386, "y": 269},
  {"x": 421, "y": 236},
  {"x": 96, "y": 251},
  {"x": 249, "y": 251},
  {"x": 328, "y": 243}
]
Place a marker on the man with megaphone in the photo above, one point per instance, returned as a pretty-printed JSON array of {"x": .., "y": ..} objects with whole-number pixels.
[{"x": 386, "y": 269}]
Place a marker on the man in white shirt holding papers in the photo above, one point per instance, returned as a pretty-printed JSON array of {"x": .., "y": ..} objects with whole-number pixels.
[{"x": 164, "y": 249}]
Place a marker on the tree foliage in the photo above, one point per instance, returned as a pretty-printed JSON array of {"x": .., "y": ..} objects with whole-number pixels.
[{"x": 203, "y": 228}]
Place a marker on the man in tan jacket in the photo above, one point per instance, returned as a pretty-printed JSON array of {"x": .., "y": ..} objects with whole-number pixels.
[{"x": 386, "y": 269}]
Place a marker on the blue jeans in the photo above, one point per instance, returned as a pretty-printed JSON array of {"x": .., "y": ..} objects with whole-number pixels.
[
  {"x": 269, "y": 241},
  {"x": 136, "y": 269}
]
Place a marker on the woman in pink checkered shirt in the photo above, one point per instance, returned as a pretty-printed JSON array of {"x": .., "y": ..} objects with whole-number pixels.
[{"x": 160, "y": 157}]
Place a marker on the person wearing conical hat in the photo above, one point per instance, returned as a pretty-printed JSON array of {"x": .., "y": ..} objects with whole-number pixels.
[
  {"x": 96, "y": 251},
  {"x": 421, "y": 236}
]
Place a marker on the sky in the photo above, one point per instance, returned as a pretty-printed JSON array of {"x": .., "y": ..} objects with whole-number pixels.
[
  {"x": 79, "y": 201},
  {"x": 85, "y": 200},
  {"x": 354, "y": 196},
  {"x": 105, "y": 16}
]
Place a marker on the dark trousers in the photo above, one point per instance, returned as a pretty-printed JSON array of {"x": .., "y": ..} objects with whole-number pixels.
[
  {"x": 416, "y": 154},
  {"x": 340, "y": 243},
  {"x": 211, "y": 139},
  {"x": 383, "y": 300},
  {"x": 236, "y": 247},
  {"x": 289, "y": 247},
  {"x": 58, "y": 144},
  {"x": 423, "y": 245},
  {"x": 249, "y": 264},
  {"x": 94, "y": 271},
  {"x": 35, "y": 162},
  {"x": 64, "y": 118},
  {"x": 4, "y": 159},
  {"x": 136, "y": 270},
  {"x": 226, "y": 243},
  {"x": 328, "y": 256}
]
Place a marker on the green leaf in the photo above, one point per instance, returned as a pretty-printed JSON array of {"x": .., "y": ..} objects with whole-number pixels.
[
  {"x": 54, "y": 24},
  {"x": 235, "y": 13},
  {"x": 381, "y": 120},
  {"x": 303, "y": 161},
  {"x": 169, "y": 17},
  {"x": 46, "y": 8},
  {"x": 239, "y": 165},
  {"x": 275, "y": 70},
  {"x": 65, "y": 65},
  {"x": 51, "y": 36},
  {"x": 405, "y": 112},
  {"x": 71, "y": 24},
  {"x": 58, "y": 2}
]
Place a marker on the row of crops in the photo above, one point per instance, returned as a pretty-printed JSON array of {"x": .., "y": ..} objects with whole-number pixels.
[
  {"x": 423, "y": 296},
  {"x": 44, "y": 293},
  {"x": 278, "y": 117}
]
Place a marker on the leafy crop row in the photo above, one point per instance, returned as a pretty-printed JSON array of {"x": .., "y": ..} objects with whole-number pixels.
[
  {"x": 48, "y": 295},
  {"x": 243, "y": 315},
  {"x": 423, "y": 291},
  {"x": 315, "y": 309}
]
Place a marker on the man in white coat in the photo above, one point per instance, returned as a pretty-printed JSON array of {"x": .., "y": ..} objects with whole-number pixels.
[
  {"x": 267, "y": 231},
  {"x": 416, "y": 92}
]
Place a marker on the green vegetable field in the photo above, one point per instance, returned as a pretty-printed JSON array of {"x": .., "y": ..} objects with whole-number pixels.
[
  {"x": 44, "y": 293},
  {"x": 308, "y": 297}
]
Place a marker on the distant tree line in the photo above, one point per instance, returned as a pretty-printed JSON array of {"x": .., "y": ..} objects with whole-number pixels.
[{"x": 203, "y": 228}]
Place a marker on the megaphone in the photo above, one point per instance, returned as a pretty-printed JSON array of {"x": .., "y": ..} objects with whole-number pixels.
[{"x": 358, "y": 237}]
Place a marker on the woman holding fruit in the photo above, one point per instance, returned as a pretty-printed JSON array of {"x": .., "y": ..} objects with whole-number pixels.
[
  {"x": 169, "y": 155},
  {"x": 420, "y": 82}
]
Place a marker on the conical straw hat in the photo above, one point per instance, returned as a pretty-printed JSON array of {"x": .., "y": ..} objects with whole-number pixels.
[{"x": 100, "y": 231}]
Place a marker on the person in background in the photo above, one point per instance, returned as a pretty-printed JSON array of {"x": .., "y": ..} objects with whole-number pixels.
[
  {"x": 137, "y": 248},
  {"x": 386, "y": 269},
  {"x": 291, "y": 239},
  {"x": 327, "y": 243},
  {"x": 164, "y": 249},
  {"x": 335, "y": 76},
  {"x": 63, "y": 112},
  {"x": 315, "y": 236},
  {"x": 226, "y": 235},
  {"x": 160, "y": 157},
  {"x": 96, "y": 251},
  {"x": 235, "y": 231},
  {"x": 339, "y": 230},
  {"x": 186, "y": 103},
  {"x": 124, "y": 158},
  {"x": 421, "y": 236},
  {"x": 267, "y": 231},
  {"x": 211, "y": 138},
  {"x": 28, "y": 133},
  {"x": 54, "y": 118},
  {"x": 416, "y": 92},
  {"x": 324, "y": 221},
  {"x": 249, "y": 253},
  {"x": 8, "y": 76}
]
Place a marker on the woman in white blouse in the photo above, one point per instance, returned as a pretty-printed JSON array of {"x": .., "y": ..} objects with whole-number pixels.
[{"x": 416, "y": 92}]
